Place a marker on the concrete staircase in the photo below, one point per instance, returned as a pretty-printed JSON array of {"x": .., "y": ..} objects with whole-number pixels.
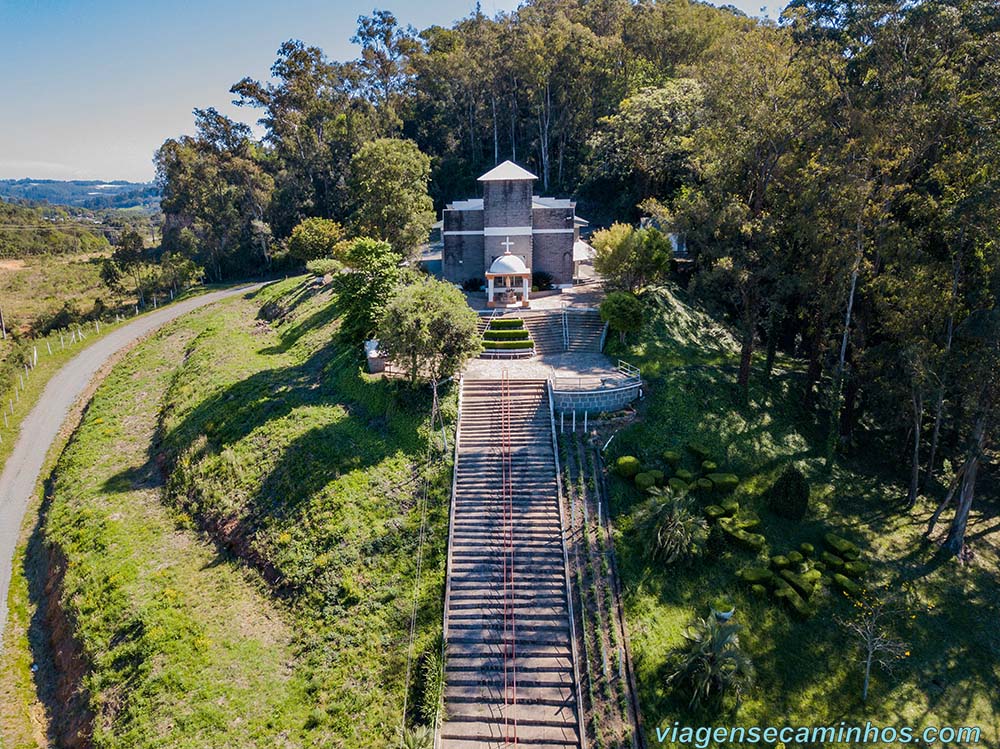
[
  {"x": 546, "y": 329},
  {"x": 585, "y": 330},
  {"x": 477, "y": 715}
]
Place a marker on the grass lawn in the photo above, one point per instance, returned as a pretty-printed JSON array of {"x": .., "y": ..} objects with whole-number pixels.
[
  {"x": 240, "y": 516},
  {"x": 807, "y": 672}
]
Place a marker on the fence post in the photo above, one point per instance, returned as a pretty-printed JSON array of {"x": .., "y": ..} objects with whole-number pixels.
[
  {"x": 34, "y": 357},
  {"x": 48, "y": 346}
]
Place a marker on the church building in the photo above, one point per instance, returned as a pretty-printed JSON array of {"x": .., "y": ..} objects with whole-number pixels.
[{"x": 542, "y": 234}]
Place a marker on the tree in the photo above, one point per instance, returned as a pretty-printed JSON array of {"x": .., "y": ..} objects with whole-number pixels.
[
  {"x": 629, "y": 259},
  {"x": 870, "y": 626},
  {"x": 315, "y": 238},
  {"x": 429, "y": 327},
  {"x": 388, "y": 182},
  {"x": 386, "y": 49},
  {"x": 128, "y": 259},
  {"x": 714, "y": 665},
  {"x": 367, "y": 287},
  {"x": 622, "y": 311}
]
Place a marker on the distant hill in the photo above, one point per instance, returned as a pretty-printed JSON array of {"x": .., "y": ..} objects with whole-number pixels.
[{"x": 92, "y": 194}]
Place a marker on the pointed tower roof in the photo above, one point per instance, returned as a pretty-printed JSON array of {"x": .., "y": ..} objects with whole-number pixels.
[{"x": 508, "y": 171}]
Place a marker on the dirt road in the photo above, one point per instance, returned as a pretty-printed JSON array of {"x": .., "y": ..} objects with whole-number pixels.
[{"x": 42, "y": 425}]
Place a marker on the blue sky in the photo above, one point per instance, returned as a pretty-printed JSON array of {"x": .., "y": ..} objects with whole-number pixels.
[{"x": 88, "y": 90}]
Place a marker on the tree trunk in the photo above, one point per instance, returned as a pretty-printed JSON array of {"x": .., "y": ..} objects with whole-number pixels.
[
  {"x": 917, "y": 400},
  {"x": 955, "y": 542},
  {"x": 939, "y": 407},
  {"x": 849, "y": 410},
  {"x": 746, "y": 356},
  {"x": 772, "y": 343},
  {"x": 868, "y": 676},
  {"x": 496, "y": 131}
]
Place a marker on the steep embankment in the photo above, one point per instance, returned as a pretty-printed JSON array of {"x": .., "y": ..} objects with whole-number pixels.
[{"x": 259, "y": 435}]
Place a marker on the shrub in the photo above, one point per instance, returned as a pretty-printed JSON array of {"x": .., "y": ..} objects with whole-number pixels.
[
  {"x": 785, "y": 592},
  {"x": 842, "y": 546},
  {"x": 752, "y": 541},
  {"x": 685, "y": 475},
  {"x": 703, "y": 485},
  {"x": 779, "y": 561},
  {"x": 807, "y": 549},
  {"x": 622, "y": 312},
  {"x": 712, "y": 665},
  {"x": 724, "y": 482},
  {"x": 795, "y": 557},
  {"x": 325, "y": 266},
  {"x": 508, "y": 345},
  {"x": 658, "y": 476},
  {"x": 716, "y": 543},
  {"x": 832, "y": 560},
  {"x": 804, "y": 583},
  {"x": 628, "y": 466},
  {"x": 755, "y": 575},
  {"x": 672, "y": 457},
  {"x": 541, "y": 281},
  {"x": 702, "y": 452},
  {"x": 505, "y": 335},
  {"x": 504, "y": 323},
  {"x": 789, "y": 495},
  {"x": 708, "y": 466},
  {"x": 678, "y": 486},
  {"x": 672, "y": 529},
  {"x": 713, "y": 512},
  {"x": 644, "y": 481},
  {"x": 730, "y": 505},
  {"x": 758, "y": 590},
  {"x": 855, "y": 569},
  {"x": 745, "y": 519},
  {"x": 846, "y": 584}
]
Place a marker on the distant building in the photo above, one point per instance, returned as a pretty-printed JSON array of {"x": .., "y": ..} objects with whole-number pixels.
[{"x": 544, "y": 233}]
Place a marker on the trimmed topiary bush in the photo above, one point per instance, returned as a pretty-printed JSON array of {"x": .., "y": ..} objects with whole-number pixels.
[
  {"x": 677, "y": 485},
  {"x": 807, "y": 549},
  {"x": 724, "y": 482},
  {"x": 708, "y": 466},
  {"x": 644, "y": 481},
  {"x": 755, "y": 575},
  {"x": 832, "y": 560},
  {"x": 842, "y": 546},
  {"x": 658, "y": 477},
  {"x": 672, "y": 457},
  {"x": 758, "y": 590},
  {"x": 846, "y": 584},
  {"x": 730, "y": 505},
  {"x": 714, "y": 512},
  {"x": 628, "y": 466},
  {"x": 744, "y": 519},
  {"x": 506, "y": 335},
  {"x": 507, "y": 323},
  {"x": 779, "y": 561},
  {"x": 508, "y": 345},
  {"x": 752, "y": 541},
  {"x": 795, "y": 557},
  {"x": 684, "y": 475},
  {"x": 789, "y": 495},
  {"x": 703, "y": 485},
  {"x": 804, "y": 583},
  {"x": 855, "y": 569},
  {"x": 785, "y": 592},
  {"x": 699, "y": 450}
]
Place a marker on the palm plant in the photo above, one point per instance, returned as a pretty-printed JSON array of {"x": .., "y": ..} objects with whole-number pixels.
[
  {"x": 418, "y": 737},
  {"x": 712, "y": 665},
  {"x": 673, "y": 528}
]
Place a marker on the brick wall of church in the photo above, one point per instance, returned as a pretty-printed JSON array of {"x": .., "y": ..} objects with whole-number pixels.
[{"x": 462, "y": 255}]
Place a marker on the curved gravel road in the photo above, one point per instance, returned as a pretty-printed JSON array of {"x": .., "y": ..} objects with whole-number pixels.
[{"x": 42, "y": 425}]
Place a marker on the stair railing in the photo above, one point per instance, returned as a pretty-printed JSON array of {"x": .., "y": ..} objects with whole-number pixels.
[{"x": 565, "y": 327}]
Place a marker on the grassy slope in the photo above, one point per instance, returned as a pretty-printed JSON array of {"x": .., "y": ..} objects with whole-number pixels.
[
  {"x": 805, "y": 670},
  {"x": 292, "y": 459},
  {"x": 303, "y": 465}
]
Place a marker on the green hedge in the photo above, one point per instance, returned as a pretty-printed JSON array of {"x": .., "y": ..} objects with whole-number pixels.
[
  {"x": 842, "y": 546},
  {"x": 752, "y": 541},
  {"x": 644, "y": 481},
  {"x": 506, "y": 335},
  {"x": 724, "y": 482},
  {"x": 846, "y": 584},
  {"x": 507, "y": 323},
  {"x": 755, "y": 575},
  {"x": 507, "y": 345},
  {"x": 679, "y": 486},
  {"x": 628, "y": 466}
]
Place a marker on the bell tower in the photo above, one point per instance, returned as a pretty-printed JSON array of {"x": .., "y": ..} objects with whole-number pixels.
[{"x": 507, "y": 221}]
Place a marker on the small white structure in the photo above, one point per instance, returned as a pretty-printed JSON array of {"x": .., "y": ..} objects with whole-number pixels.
[{"x": 512, "y": 273}]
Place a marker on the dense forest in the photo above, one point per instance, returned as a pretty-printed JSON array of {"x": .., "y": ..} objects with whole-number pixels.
[
  {"x": 91, "y": 194},
  {"x": 834, "y": 174}
]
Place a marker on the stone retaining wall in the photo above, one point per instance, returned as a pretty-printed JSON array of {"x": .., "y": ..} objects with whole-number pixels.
[{"x": 596, "y": 401}]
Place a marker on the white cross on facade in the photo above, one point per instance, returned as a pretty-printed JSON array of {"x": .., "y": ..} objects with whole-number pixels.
[{"x": 507, "y": 244}]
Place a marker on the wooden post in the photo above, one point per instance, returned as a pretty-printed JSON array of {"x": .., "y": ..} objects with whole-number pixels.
[
  {"x": 62, "y": 343},
  {"x": 34, "y": 357},
  {"x": 3, "y": 326},
  {"x": 48, "y": 346},
  {"x": 97, "y": 324}
]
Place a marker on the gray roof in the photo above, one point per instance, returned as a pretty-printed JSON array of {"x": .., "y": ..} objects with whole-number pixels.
[
  {"x": 473, "y": 204},
  {"x": 537, "y": 202},
  {"x": 508, "y": 171}
]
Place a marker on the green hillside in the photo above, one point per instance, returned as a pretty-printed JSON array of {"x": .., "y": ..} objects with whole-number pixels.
[
  {"x": 806, "y": 669},
  {"x": 234, "y": 532}
]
